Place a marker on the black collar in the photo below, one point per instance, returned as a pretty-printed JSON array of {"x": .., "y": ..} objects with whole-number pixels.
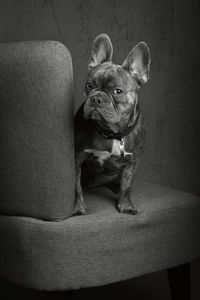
[{"x": 108, "y": 134}]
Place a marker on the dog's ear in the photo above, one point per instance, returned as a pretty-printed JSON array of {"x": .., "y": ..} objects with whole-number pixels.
[
  {"x": 138, "y": 63},
  {"x": 102, "y": 50}
]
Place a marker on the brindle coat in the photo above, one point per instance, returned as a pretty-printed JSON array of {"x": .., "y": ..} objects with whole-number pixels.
[{"x": 109, "y": 132}]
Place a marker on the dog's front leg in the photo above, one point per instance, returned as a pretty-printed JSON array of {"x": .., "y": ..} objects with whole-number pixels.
[
  {"x": 79, "y": 205},
  {"x": 125, "y": 204}
]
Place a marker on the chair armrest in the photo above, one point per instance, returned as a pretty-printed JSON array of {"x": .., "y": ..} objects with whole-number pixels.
[{"x": 36, "y": 130}]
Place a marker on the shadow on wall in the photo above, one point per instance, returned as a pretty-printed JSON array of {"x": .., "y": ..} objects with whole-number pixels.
[{"x": 170, "y": 100}]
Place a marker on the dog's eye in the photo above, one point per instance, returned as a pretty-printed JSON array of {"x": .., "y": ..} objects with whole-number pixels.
[
  {"x": 88, "y": 85},
  {"x": 117, "y": 92}
]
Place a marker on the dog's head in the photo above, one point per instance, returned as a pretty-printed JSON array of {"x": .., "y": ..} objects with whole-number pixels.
[{"x": 111, "y": 90}]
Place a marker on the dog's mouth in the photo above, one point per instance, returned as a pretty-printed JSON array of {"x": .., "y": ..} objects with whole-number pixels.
[
  {"x": 95, "y": 115},
  {"x": 91, "y": 112}
]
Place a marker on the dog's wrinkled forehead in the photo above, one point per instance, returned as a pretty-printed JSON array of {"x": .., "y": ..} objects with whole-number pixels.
[{"x": 110, "y": 75}]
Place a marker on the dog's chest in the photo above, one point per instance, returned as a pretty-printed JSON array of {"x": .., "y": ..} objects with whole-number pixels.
[{"x": 117, "y": 151}]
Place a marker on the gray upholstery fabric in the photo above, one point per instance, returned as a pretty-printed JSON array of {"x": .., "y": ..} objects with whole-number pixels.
[
  {"x": 36, "y": 130},
  {"x": 103, "y": 246}
]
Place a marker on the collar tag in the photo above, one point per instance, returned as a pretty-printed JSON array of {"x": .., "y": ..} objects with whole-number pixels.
[
  {"x": 122, "y": 146},
  {"x": 123, "y": 150},
  {"x": 118, "y": 148}
]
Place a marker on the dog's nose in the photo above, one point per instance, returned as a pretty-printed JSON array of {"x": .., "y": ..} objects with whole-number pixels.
[{"x": 96, "y": 100}]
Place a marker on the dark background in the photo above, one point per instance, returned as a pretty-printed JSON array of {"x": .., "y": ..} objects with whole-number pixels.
[{"x": 170, "y": 100}]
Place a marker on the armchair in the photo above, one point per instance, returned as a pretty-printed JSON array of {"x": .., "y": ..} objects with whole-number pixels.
[{"x": 43, "y": 246}]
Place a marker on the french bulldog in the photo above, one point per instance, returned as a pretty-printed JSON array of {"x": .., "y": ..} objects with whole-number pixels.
[{"x": 109, "y": 131}]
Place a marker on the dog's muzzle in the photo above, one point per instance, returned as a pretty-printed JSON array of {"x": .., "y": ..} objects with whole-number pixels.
[
  {"x": 98, "y": 105},
  {"x": 99, "y": 99},
  {"x": 96, "y": 100}
]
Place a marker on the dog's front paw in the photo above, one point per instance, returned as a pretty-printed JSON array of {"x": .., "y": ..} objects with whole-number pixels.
[{"x": 126, "y": 207}]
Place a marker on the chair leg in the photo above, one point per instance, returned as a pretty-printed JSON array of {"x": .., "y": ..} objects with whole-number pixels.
[{"x": 179, "y": 282}]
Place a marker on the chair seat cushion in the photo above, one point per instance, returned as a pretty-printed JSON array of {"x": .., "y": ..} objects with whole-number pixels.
[{"x": 104, "y": 246}]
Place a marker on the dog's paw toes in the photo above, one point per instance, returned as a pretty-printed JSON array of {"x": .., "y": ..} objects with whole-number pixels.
[
  {"x": 127, "y": 209},
  {"x": 79, "y": 209},
  {"x": 79, "y": 212}
]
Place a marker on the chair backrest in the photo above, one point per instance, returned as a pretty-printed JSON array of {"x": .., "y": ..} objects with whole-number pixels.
[{"x": 36, "y": 130}]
